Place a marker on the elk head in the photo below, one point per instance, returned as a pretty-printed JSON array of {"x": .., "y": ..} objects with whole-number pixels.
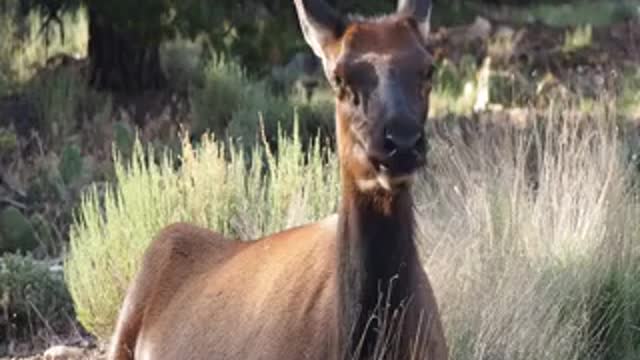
[{"x": 381, "y": 72}]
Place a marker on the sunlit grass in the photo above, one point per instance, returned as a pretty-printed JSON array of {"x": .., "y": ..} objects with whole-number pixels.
[
  {"x": 629, "y": 99},
  {"x": 581, "y": 37}
]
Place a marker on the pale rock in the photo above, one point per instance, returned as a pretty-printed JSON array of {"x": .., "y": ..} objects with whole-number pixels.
[{"x": 62, "y": 352}]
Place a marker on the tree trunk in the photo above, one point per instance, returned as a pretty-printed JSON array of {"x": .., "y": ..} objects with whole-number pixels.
[{"x": 120, "y": 62}]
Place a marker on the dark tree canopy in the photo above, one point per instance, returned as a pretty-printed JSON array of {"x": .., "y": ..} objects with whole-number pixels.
[{"x": 124, "y": 35}]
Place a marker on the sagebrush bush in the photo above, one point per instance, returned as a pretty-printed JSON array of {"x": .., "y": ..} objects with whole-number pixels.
[
  {"x": 258, "y": 103},
  {"x": 231, "y": 105},
  {"x": 241, "y": 195},
  {"x": 33, "y": 299},
  {"x": 218, "y": 96},
  {"x": 182, "y": 60}
]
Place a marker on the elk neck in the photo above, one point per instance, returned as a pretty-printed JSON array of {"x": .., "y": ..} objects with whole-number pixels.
[{"x": 377, "y": 257}]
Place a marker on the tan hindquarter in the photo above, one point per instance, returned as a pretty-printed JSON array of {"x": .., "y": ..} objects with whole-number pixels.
[{"x": 204, "y": 297}]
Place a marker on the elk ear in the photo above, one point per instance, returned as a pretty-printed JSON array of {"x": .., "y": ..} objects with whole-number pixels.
[
  {"x": 418, "y": 10},
  {"x": 321, "y": 25}
]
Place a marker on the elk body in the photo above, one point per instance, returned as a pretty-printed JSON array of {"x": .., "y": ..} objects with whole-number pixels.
[{"x": 348, "y": 287}]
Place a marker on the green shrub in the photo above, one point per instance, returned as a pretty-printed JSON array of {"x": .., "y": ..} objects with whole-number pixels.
[
  {"x": 456, "y": 87},
  {"x": 629, "y": 93},
  {"x": 231, "y": 105},
  {"x": 247, "y": 196},
  {"x": 16, "y": 231},
  {"x": 572, "y": 13},
  {"x": 318, "y": 114},
  {"x": 8, "y": 141},
  {"x": 34, "y": 298},
  {"x": 71, "y": 164},
  {"x": 181, "y": 61},
  {"x": 259, "y": 103},
  {"x": 220, "y": 94},
  {"x": 57, "y": 97}
]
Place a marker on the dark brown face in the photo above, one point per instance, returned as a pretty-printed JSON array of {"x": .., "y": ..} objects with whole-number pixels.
[
  {"x": 382, "y": 78},
  {"x": 381, "y": 72}
]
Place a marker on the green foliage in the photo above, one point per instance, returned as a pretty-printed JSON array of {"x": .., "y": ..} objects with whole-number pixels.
[
  {"x": 616, "y": 313},
  {"x": 502, "y": 88},
  {"x": 317, "y": 114},
  {"x": 71, "y": 164},
  {"x": 456, "y": 87},
  {"x": 124, "y": 139},
  {"x": 17, "y": 233},
  {"x": 573, "y": 13},
  {"x": 221, "y": 93},
  {"x": 258, "y": 103},
  {"x": 8, "y": 141},
  {"x": 249, "y": 195},
  {"x": 57, "y": 98},
  {"x": 32, "y": 298},
  {"x": 230, "y": 104},
  {"x": 182, "y": 61},
  {"x": 45, "y": 234},
  {"x": 629, "y": 97}
]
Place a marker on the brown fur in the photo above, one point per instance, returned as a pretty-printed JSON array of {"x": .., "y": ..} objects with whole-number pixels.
[{"x": 305, "y": 293}]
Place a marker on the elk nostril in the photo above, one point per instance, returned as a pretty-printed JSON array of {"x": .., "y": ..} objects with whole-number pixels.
[{"x": 389, "y": 145}]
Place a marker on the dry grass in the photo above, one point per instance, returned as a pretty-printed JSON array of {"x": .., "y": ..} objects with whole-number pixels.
[{"x": 532, "y": 240}]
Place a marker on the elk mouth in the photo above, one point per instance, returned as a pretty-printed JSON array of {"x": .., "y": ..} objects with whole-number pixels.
[
  {"x": 397, "y": 172},
  {"x": 388, "y": 169}
]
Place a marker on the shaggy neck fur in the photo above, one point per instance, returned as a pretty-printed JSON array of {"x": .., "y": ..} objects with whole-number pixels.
[{"x": 377, "y": 258}]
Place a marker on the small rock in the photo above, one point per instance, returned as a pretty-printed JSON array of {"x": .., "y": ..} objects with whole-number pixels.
[
  {"x": 480, "y": 29},
  {"x": 61, "y": 352}
]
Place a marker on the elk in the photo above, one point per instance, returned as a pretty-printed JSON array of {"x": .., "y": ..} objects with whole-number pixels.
[{"x": 334, "y": 289}]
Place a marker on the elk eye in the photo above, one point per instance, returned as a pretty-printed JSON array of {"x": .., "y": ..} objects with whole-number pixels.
[
  {"x": 337, "y": 80},
  {"x": 355, "y": 98}
]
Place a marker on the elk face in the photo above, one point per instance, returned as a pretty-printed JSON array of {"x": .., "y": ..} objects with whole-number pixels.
[{"x": 381, "y": 72}]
